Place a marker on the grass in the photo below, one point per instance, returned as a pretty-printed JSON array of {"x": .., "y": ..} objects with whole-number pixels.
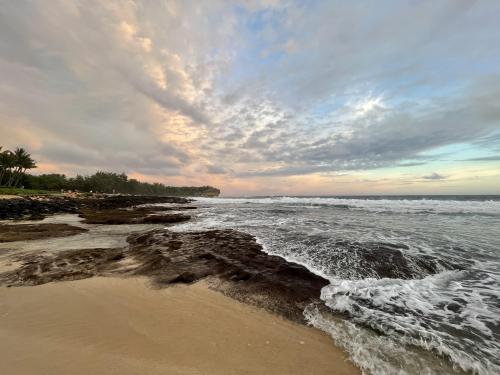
[{"x": 16, "y": 191}]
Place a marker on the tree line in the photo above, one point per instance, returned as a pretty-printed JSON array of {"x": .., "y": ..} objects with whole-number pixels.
[
  {"x": 13, "y": 169},
  {"x": 109, "y": 182}
]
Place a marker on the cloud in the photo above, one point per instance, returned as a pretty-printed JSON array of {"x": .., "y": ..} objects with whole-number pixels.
[
  {"x": 411, "y": 164},
  {"x": 485, "y": 158},
  {"x": 212, "y": 169},
  {"x": 214, "y": 91},
  {"x": 102, "y": 85},
  {"x": 434, "y": 176},
  {"x": 374, "y": 141}
]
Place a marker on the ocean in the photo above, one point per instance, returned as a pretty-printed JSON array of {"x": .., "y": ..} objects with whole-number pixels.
[{"x": 414, "y": 280}]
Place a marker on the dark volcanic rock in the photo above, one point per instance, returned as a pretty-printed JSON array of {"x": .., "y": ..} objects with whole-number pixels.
[
  {"x": 143, "y": 215},
  {"x": 164, "y": 208},
  {"x": 165, "y": 219},
  {"x": 66, "y": 265},
  {"x": 232, "y": 261},
  {"x": 25, "y": 232},
  {"x": 31, "y": 208},
  {"x": 122, "y": 201},
  {"x": 386, "y": 260},
  {"x": 234, "y": 258},
  {"x": 38, "y": 207}
]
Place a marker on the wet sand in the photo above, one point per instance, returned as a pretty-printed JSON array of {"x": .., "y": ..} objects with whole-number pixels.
[{"x": 122, "y": 326}]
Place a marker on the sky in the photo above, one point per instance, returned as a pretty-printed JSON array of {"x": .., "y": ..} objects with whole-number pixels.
[{"x": 258, "y": 97}]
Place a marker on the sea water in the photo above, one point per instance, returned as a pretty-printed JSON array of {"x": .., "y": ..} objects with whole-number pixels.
[{"x": 440, "y": 320}]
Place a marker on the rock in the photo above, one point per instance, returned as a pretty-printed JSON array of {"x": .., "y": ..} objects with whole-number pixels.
[
  {"x": 26, "y": 232},
  {"x": 31, "y": 208},
  {"x": 165, "y": 208},
  {"x": 386, "y": 260},
  {"x": 185, "y": 277},
  {"x": 78, "y": 264},
  {"x": 131, "y": 216},
  {"x": 121, "y": 201},
  {"x": 39, "y": 207},
  {"x": 233, "y": 258},
  {"x": 233, "y": 263},
  {"x": 165, "y": 219}
]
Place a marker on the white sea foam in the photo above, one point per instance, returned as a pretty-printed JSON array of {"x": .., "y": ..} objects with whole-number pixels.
[
  {"x": 374, "y": 353},
  {"x": 488, "y": 207},
  {"x": 438, "y": 313}
]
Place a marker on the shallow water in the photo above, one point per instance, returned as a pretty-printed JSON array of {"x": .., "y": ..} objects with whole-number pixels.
[
  {"x": 434, "y": 320},
  {"x": 98, "y": 236}
]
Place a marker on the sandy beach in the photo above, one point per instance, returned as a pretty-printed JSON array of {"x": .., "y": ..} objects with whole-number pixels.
[{"x": 123, "y": 326}]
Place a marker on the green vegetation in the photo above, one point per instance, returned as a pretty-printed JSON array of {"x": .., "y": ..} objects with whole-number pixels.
[
  {"x": 13, "y": 167},
  {"x": 109, "y": 182},
  {"x": 18, "y": 191}
]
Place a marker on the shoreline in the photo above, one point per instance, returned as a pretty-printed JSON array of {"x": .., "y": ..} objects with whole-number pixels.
[
  {"x": 123, "y": 326},
  {"x": 37, "y": 207},
  {"x": 55, "y": 286}
]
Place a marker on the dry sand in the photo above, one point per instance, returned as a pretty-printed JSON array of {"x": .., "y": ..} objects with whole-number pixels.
[
  {"x": 121, "y": 326},
  {"x": 6, "y": 196}
]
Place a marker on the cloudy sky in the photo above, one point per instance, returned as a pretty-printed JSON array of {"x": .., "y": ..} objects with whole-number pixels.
[{"x": 258, "y": 97}]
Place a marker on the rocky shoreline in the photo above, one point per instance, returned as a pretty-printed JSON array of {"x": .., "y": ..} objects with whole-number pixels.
[
  {"x": 27, "y": 232},
  {"x": 232, "y": 262},
  {"x": 36, "y": 208}
]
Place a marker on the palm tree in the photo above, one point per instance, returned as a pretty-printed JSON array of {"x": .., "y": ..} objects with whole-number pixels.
[
  {"x": 22, "y": 162},
  {"x": 1, "y": 165},
  {"x": 25, "y": 163},
  {"x": 7, "y": 162},
  {"x": 2, "y": 168}
]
